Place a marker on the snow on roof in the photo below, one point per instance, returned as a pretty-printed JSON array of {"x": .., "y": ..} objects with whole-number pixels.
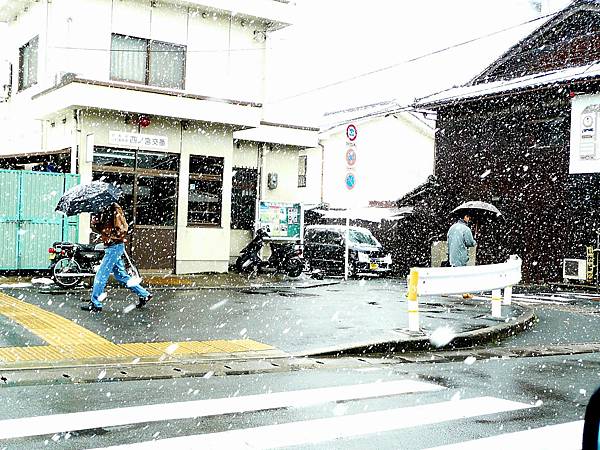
[{"x": 470, "y": 92}]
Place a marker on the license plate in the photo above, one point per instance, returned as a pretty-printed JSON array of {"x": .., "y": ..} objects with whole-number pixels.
[
  {"x": 374, "y": 266},
  {"x": 52, "y": 256}
]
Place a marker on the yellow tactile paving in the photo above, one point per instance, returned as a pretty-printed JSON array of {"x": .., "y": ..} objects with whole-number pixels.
[
  {"x": 198, "y": 348},
  {"x": 67, "y": 340},
  {"x": 52, "y": 328}
]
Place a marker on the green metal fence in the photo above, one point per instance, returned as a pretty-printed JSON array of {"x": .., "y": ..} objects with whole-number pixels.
[{"x": 28, "y": 222}]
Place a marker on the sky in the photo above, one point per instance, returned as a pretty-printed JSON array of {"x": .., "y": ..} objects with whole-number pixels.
[{"x": 336, "y": 40}]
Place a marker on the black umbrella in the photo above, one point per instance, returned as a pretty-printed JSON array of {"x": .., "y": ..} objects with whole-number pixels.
[
  {"x": 92, "y": 197},
  {"x": 477, "y": 210}
]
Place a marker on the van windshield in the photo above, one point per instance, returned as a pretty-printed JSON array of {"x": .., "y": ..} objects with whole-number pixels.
[{"x": 360, "y": 237}]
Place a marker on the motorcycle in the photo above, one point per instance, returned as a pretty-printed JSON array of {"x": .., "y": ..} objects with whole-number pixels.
[
  {"x": 285, "y": 257},
  {"x": 71, "y": 262}
]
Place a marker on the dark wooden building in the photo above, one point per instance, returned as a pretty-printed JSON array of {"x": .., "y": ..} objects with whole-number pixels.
[{"x": 505, "y": 138}]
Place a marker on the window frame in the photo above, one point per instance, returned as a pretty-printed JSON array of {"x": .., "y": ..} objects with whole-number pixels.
[
  {"x": 148, "y": 52},
  {"x": 239, "y": 220},
  {"x": 209, "y": 177},
  {"x": 32, "y": 78}
]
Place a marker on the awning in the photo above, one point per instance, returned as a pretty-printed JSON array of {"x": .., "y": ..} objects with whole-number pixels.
[{"x": 366, "y": 214}]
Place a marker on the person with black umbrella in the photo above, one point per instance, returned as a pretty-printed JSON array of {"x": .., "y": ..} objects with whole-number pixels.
[
  {"x": 112, "y": 226},
  {"x": 460, "y": 238},
  {"x": 108, "y": 220}
]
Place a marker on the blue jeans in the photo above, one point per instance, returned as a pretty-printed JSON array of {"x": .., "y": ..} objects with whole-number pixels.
[{"x": 112, "y": 262}]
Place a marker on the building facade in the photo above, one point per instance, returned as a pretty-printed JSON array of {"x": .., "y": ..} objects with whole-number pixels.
[
  {"x": 150, "y": 95},
  {"x": 394, "y": 153},
  {"x": 518, "y": 136}
]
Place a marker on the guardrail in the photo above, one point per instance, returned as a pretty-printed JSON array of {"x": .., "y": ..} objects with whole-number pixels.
[{"x": 459, "y": 280}]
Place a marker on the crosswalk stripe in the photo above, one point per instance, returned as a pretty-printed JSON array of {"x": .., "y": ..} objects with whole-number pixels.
[
  {"x": 320, "y": 430},
  {"x": 566, "y": 436},
  {"x": 58, "y": 423}
]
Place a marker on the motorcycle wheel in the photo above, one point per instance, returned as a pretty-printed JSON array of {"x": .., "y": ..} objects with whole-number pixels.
[
  {"x": 239, "y": 264},
  {"x": 66, "y": 265},
  {"x": 294, "y": 267}
]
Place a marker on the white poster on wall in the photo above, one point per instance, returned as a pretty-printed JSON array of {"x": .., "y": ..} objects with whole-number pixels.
[{"x": 585, "y": 134}]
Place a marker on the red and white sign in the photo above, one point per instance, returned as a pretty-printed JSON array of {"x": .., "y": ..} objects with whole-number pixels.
[
  {"x": 351, "y": 132},
  {"x": 351, "y": 157}
]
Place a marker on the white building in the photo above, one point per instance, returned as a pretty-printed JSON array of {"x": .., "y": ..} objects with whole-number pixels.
[
  {"x": 393, "y": 148},
  {"x": 165, "y": 98}
]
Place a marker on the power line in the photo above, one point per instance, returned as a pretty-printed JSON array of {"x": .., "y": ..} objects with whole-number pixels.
[{"x": 410, "y": 60}]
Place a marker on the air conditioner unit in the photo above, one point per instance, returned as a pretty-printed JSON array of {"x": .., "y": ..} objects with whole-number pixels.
[{"x": 574, "y": 269}]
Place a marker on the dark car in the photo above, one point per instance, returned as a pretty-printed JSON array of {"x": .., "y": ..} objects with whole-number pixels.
[{"x": 324, "y": 247}]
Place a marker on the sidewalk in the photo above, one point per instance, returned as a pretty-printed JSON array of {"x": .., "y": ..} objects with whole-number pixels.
[{"x": 251, "y": 319}]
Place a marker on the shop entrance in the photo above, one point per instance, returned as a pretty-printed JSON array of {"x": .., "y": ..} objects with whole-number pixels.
[{"x": 149, "y": 181}]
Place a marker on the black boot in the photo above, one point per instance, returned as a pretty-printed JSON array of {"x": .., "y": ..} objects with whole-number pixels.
[
  {"x": 90, "y": 307},
  {"x": 142, "y": 301}
]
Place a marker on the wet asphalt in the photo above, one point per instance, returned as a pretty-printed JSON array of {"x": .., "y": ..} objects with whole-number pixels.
[{"x": 294, "y": 320}]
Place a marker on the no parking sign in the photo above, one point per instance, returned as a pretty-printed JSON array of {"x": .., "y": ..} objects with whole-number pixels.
[{"x": 351, "y": 132}]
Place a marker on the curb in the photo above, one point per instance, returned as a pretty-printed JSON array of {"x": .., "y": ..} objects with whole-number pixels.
[
  {"x": 186, "y": 286},
  {"x": 422, "y": 343}
]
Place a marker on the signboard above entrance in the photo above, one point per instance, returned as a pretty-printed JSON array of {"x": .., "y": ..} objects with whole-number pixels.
[
  {"x": 283, "y": 219},
  {"x": 137, "y": 140}
]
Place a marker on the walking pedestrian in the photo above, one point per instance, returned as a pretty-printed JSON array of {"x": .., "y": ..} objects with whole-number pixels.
[
  {"x": 112, "y": 226},
  {"x": 460, "y": 238}
]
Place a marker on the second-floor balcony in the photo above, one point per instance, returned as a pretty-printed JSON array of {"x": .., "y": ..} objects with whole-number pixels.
[
  {"x": 279, "y": 13},
  {"x": 78, "y": 93}
]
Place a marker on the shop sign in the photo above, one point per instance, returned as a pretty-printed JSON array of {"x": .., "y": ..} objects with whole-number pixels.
[{"x": 137, "y": 140}]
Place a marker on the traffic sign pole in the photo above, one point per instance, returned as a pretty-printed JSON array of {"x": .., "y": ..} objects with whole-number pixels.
[{"x": 350, "y": 182}]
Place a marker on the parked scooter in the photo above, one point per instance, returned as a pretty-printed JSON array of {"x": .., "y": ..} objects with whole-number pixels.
[
  {"x": 71, "y": 262},
  {"x": 285, "y": 257}
]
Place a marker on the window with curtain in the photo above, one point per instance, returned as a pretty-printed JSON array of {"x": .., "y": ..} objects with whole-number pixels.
[
  {"x": 148, "y": 62},
  {"x": 205, "y": 194},
  {"x": 128, "y": 58},
  {"x": 28, "y": 64},
  {"x": 167, "y": 65}
]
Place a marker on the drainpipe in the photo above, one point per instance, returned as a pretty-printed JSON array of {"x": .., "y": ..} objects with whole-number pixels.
[
  {"x": 259, "y": 187},
  {"x": 76, "y": 140},
  {"x": 322, "y": 171}
]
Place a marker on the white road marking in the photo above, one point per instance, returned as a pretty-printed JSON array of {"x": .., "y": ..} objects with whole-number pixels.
[
  {"x": 320, "y": 430},
  {"x": 566, "y": 436},
  {"x": 84, "y": 420}
]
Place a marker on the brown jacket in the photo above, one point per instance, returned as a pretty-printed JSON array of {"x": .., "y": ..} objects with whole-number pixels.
[{"x": 111, "y": 225}]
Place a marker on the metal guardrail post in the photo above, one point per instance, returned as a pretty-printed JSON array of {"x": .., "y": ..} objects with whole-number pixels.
[
  {"x": 413, "y": 301},
  {"x": 507, "y": 295},
  {"x": 496, "y": 303}
]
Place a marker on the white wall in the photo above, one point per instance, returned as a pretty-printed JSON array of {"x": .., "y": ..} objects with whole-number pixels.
[
  {"x": 284, "y": 161},
  {"x": 23, "y": 132},
  {"x": 204, "y": 249},
  {"x": 223, "y": 59},
  {"x": 393, "y": 157}
]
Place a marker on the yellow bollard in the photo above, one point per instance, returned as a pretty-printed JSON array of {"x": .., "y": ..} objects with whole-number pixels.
[{"x": 413, "y": 302}]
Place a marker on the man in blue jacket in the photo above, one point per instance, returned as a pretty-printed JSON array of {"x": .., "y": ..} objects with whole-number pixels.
[{"x": 460, "y": 238}]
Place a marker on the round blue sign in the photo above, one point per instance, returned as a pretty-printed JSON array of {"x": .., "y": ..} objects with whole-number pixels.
[
  {"x": 350, "y": 156},
  {"x": 350, "y": 180}
]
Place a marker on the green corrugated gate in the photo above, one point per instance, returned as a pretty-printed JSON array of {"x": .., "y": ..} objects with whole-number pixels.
[{"x": 28, "y": 222}]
